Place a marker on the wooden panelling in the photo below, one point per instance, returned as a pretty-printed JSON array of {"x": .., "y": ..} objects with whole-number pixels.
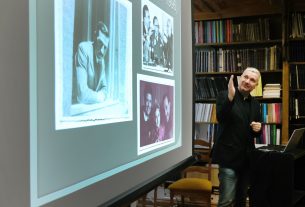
[{"x": 214, "y": 9}]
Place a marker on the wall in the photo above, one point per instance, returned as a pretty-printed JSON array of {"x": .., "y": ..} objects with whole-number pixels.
[{"x": 14, "y": 116}]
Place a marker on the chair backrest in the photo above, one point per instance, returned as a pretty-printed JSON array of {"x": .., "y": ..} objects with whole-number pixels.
[
  {"x": 202, "y": 151},
  {"x": 196, "y": 171},
  {"x": 194, "y": 189}
]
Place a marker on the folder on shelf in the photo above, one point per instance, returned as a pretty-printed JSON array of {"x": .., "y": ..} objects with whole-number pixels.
[{"x": 258, "y": 90}]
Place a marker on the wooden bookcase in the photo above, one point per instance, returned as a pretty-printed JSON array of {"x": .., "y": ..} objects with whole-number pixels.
[
  {"x": 281, "y": 35},
  {"x": 296, "y": 67},
  {"x": 287, "y": 32},
  {"x": 227, "y": 46}
]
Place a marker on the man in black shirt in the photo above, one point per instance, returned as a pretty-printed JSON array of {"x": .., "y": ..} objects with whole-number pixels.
[
  {"x": 146, "y": 119},
  {"x": 238, "y": 115}
]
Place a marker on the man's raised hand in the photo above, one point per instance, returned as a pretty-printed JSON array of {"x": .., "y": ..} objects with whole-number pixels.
[{"x": 231, "y": 88}]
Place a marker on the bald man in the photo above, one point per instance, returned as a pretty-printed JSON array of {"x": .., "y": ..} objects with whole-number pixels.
[{"x": 239, "y": 117}]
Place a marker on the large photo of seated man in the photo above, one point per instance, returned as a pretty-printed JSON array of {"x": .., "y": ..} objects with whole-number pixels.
[
  {"x": 90, "y": 67},
  {"x": 93, "y": 69},
  {"x": 157, "y": 37},
  {"x": 155, "y": 113}
]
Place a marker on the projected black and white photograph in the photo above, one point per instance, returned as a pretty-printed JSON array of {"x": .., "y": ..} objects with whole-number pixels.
[
  {"x": 157, "y": 38},
  {"x": 93, "y": 62},
  {"x": 155, "y": 112}
]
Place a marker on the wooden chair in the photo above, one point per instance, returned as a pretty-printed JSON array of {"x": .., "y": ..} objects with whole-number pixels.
[
  {"x": 195, "y": 183},
  {"x": 202, "y": 150}
]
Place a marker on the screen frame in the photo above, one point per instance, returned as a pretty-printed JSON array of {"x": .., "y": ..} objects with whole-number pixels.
[
  {"x": 15, "y": 106},
  {"x": 187, "y": 133}
]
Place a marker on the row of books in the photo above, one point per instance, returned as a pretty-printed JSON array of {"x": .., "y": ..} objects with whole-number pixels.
[
  {"x": 215, "y": 31},
  {"x": 271, "y": 134},
  {"x": 205, "y": 112},
  {"x": 297, "y": 51},
  {"x": 235, "y": 60},
  {"x": 209, "y": 87},
  {"x": 206, "y": 132},
  {"x": 271, "y": 112},
  {"x": 297, "y": 25},
  {"x": 226, "y": 31},
  {"x": 296, "y": 106},
  {"x": 297, "y": 76},
  {"x": 272, "y": 90}
]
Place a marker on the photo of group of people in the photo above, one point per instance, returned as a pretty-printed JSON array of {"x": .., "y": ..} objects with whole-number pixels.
[
  {"x": 156, "y": 112},
  {"x": 157, "y": 35}
]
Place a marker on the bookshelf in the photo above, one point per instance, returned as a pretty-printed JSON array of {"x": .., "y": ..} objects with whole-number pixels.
[
  {"x": 226, "y": 46},
  {"x": 296, "y": 67},
  {"x": 286, "y": 19}
]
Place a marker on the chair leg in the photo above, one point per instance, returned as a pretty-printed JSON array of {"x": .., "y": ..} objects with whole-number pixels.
[
  {"x": 182, "y": 200},
  {"x": 144, "y": 200},
  {"x": 171, "y": 203},
  {"x": 155, "y": 196}
]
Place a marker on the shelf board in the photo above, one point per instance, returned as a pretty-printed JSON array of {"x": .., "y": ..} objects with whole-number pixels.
[
  {"x": 297, "y": 90},
  {"x": 208, "y": 100},
  {"x": 297, "y": 63},
  {"x": 297, "y": 118},
  {"x": 296, "y": 39},
  {"x": 205, "y": 122},
  {"x": 277, "y": 41},
  {"x": 234, "y": 73},
  {"x": 272, "y": 123},
  {"x": 269, "y": 100},
  {"x": 297, "y": 124},
  {"x": 216, "y": 73},
  {"x": 260, "y": 99}
]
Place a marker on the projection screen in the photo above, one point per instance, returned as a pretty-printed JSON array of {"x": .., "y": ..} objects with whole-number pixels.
[{"x": 110, "y": 97}]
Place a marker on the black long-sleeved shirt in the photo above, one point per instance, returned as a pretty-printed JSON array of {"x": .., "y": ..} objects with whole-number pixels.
[{"x": 235, "y": 137}]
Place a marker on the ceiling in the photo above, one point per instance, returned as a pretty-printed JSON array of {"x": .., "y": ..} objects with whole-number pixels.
[{"x": 214, "y": 9}]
